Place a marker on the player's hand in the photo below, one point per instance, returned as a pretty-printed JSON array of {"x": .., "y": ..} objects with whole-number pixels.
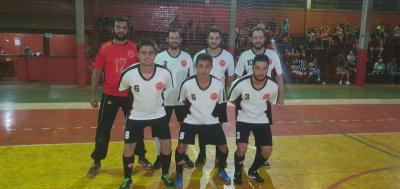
[{"x": 94, "y": 103}]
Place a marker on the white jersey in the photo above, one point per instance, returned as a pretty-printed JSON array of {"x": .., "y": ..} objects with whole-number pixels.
[
  {"x": 222, "y": 63},
  {"x": 202, "y": 101},
  {"x": 181, "y": 68},
  {"x": 252, "y": 102},
  {"x": 147, "y": 93},
  {"x": 245, "y": 63}
]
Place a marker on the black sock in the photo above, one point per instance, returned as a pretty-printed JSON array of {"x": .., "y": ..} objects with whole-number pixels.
[
  {"x": 238, "y": 164},
  {"x": 221, "y": 159},
  {"x": 178, "y": 158},
  {"x": 258, "y": 162},
  {"x": 128, "y": 165},
  {"x": 165, "y": 162},
  {"x": 97, "y": 162}
]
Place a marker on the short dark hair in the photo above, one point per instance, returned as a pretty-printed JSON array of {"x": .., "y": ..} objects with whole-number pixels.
[
  {"x": 256, "y": 29},
  {"x": 119, "y": 19},
  {"x": 147, "y": 42},
  {"x": 174, "y": 30},
  {"x": 261, "y": 58},
  {"x": 214, "y": 30},
  {"x": 204, "y": 56}
]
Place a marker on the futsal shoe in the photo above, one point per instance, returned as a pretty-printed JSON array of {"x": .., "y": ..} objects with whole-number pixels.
[
  {"x": 126, "y": 183},
  {"x": 167, "y": 181},
  {"x": 145, "y": 163},
  {"x": 266, "y": 164},
  {"x": 188, "y": 163},
  {"x": 224, "y": 177},
  {"x": 179, "y": 181},
  {"x": 201, "y": 160},
  {"x": 94, "y": 170},
  {"x": 253, "y": 174}
]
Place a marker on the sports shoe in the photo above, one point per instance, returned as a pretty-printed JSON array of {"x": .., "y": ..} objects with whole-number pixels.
[
  {"x": 179, "y": 181},
  {"x": 340, "y": 82},
  {"x": 126, "y": 183},
  {"x": 323, "y": 83},
  {"x": 224, "y": 177},
  {"x": 255, "y": 176},
  {"x": 267, "y": 164},
  {"x": 157, "y": 163},
  {"x": 94, "y": 170},
  {"x": 348, "y": 83},
  {"x": 188, "y": 163},
  {"x": 145, "y": 163},
  {"x": 237, "y": 180},
  {"x": 167, "y": 181},
  {"x": 201, "y": 160}
]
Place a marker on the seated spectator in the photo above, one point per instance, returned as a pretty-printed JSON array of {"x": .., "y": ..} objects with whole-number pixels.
[
  {"x": 379, "y": 67},
  {"x": 289, "y": 49},
  {"x": 391, "y": 71},
  {"x": 300, "y": 67},
  {"x": 314, "y": 70},
  {"x": 284, "y": 28},
  {"x": 396, "y": 32},
  {"x": 342, "y": 69}
]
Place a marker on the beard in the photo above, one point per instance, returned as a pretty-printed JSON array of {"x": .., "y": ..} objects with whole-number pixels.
[
  {"x": 257, "y": 47},
  {"x": 213, "y": 46},
  {"x": 120, "y": 36},
  {"x": 174, "y": 46},
  {"x": 260, "y": 77}
]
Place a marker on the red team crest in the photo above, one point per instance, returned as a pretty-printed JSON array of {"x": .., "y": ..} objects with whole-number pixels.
[
  {"x": 266, "y": 96},
  {"x": 131, "y": 53},
  {"x": 183, "y": 63},
  {"x": 159, "y": 86},
  {"x": 222, "y": 63},
  {"x": 214, "y": 96}
]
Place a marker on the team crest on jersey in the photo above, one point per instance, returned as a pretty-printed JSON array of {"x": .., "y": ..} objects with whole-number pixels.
[
  {"x": 159, "y": 86},
  {"x": 183, "y": 63},
  {"x": 214, "y": 96},
  {"x": 222, "y": 63},
  {"x": 266, "y": 96},
  {"x": 193, "y": 96},
  {"x": 131, "y": 53},
  {"x": 165, "y": 63}
]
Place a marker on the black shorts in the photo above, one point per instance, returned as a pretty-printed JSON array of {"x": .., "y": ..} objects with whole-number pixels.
[
  {"x": 210, "y": 134},
  {"x": 262, "y": 133},
  {"x": 134, "y": 129},
  {"x": 180, "y": 112}
]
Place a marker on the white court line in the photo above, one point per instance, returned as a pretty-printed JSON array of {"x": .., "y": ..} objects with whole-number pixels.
[
  {"x": 93, "y": 127},
  {"x": 121, "y": 142},
  {"x": 28, "y": 129},
  {"x": 45, "y": 128},
  {"x": 61, "y": 128},
  {"x": 78, "y": 127},
  {"x": 288, "y": 102}
]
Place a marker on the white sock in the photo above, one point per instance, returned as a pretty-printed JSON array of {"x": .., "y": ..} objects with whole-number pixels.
[{"x": 158, "y": 145}]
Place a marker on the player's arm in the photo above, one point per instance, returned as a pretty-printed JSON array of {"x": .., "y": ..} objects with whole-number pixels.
[
  {"x": 234, "y": 93},
  {"x": 220, "y": 107},
  {"x": 96, "y": 74},
  {"x": 183, "y": 98},
  {"x": 231, "y": 72},
  {"x": 281, "y": 89},
  {"x": 239, "y": 70},
  {"x": 274, "y": 93},
  {"x": 95, "y": 79}
]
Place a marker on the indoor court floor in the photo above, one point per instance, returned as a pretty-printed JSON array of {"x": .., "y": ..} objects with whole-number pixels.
[{"x": 326, "y": 137}]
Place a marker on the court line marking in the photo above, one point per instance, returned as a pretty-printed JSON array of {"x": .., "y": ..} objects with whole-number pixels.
[
  {"x": 288, "y": 102},
  {"x": 354, "y": 176},
  {"x": 150, "y": 139}
]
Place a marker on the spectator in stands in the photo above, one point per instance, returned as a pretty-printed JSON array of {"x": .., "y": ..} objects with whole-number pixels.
[
  {"x": 284, "y": 28},
  {"x": 342, "y": 69},
  {"x": 313, "y": 69},
  {"x": 352, "y": 61},
  {"x": 339, "y": 34},
  {"x": 300, "y": 67},
  {"x": 325, "y": 36},
  {"x": 391, "y": 71},
  {"x": 271, "y": 26},
  {"x": 379, "y": 67},
  {"x": 375, "y": 46},
  {"x": 289, "y": 49},
  {"x": 396, "y": 32}
]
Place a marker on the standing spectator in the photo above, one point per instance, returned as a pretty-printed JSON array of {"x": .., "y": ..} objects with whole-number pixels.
[
  {"x": 272, "y": 25},
  {"x": 352, "y": 61},
  {"x": 284, "y": 29}
]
